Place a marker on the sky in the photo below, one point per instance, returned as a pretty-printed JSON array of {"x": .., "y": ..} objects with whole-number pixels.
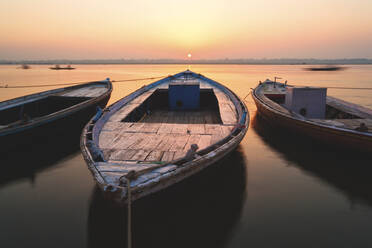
[{"x": 207, "y": 29}]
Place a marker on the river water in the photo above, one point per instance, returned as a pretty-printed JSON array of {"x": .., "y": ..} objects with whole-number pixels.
[{"x": 275, "y": 190}]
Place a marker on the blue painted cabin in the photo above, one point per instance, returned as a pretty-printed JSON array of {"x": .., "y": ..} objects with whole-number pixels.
[{"x": 182, "y": 96}]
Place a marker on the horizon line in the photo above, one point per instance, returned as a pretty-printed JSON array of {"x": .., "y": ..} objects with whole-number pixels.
[{"x": 253, "y": 61}]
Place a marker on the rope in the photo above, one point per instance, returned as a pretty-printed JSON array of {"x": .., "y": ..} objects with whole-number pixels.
[
  {"x": 129, "y": 214},
  {"x": 64, "y": 84},
  {"x": 349, "y": 88},
  {"x": 339, "y": 87},
  {"x": 137, "y": 79}
]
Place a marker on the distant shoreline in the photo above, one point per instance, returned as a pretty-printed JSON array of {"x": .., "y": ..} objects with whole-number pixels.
[{"x": 357, "y": 61}]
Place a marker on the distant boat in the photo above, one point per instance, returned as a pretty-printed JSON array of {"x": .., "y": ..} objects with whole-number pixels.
[
  {"x": 57, "y": 67},
  {"x": 29, "y": 119},
  {"x": 309, "y": 111},
  {"x": 325, "y": 68},
  {"x": 25, "y": 67},
  {"x": 163, "y": 133}
]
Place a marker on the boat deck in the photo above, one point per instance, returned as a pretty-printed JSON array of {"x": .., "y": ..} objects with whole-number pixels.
[
  {"x": 165, "y": 135},
  {"x": 90, "y": 91},
  {"x": 351, "y": 124}
]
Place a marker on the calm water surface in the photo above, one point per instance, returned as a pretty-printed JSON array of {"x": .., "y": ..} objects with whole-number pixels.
[{"x": 273, "y": 191}]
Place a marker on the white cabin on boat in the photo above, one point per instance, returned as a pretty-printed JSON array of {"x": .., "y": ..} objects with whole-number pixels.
[{"x": 309, "y": 102}]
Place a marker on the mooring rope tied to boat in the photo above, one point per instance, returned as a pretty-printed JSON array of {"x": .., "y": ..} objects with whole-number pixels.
[
  {"x": 341, "y": 88},
  {"x": 65, "y": 84},
  {"x": 129, "y": 206}
]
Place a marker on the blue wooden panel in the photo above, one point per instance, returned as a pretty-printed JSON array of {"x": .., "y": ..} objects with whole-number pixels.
[{"x": 184, "y": 96}]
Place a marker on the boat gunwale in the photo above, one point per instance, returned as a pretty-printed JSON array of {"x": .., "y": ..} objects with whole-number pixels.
[
  {"x": 229, "y": 144},
  {"x": 304, "y": 120},
  {"x": 58, "y": 114}
]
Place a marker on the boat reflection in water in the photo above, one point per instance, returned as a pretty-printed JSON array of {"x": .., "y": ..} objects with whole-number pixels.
[
  {"x": 28, "y": 161},
  {"x": 201, "y": 211},
  {"x": 349, "y": 172}
]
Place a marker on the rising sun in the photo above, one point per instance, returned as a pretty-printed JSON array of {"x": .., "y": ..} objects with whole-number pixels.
[{"x": 189, "y": 55}]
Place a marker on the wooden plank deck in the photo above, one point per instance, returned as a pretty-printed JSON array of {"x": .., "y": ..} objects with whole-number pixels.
[
  {"x": 91, "y": 91},
  {"x": 165, "y": 135},
  {"x": 351, "y": 124},
  {"x": 350, "y": 108}
]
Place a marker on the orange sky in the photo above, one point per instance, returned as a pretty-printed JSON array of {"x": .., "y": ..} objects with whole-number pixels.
[{"x": 70, "y": 29}]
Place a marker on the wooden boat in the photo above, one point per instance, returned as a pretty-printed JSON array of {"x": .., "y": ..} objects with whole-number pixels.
[
  {"x": 29, "y": 119},
  {"x": 310, "y": 112},
  {"x": 57, "y": 67},
  {"x": 180, "y": 213},
  {"x": 161, "y": 134},
  {"x": 325, "y": 68},
  {"x": 25, "y": 67}
]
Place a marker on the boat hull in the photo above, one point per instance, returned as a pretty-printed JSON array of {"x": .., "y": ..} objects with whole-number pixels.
[
  {"x": 183, "y": 167},
  {"x": 338, "y": 138},
  {"x": 49, "y": 130}
]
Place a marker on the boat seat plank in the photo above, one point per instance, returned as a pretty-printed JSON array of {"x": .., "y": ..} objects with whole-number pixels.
[
  {"x": 196, "y": 128},
  {"x": 143, "y": 139},
  {"x": 179, "y": 143},
  {"x": 227, "y": 114},
  {"x": 165, "y": 169},
  {"x": 115, "y": 126},
  {"x": 150, "y": 127},
  {"x": 112, "y": 178},
  {"x": 216, "y": 137},
  {"x": 346, "y": 123},
  {"x": 123, "y": 112},
  {"x": 140, "y": 155},
  {"x": 122, "y": 155},
  {"x": 154, "y": 141},
  {"x": 179, "y": 154},
  {"x": 125, "y": 141},
  {"x": 107, "y": 138},
  {"x": 194, "y": 139},
  {"x": 166, "y": 143},
  {"x": 144, "y": 178},
  {"x": 140, "y": 99},
  {"x": 226, "y": 130},
  {"x": 134, "y": 127},
  {"x": 179, "y": 128},
  {"x": 167, "y": 156},
  {"x": 204, "y": 141},
  {"x": 355, "y": 123},
  {"x": 165, "y": 128},
  {"x": 213, "y": 129},
  {"x": 350, "y": 108},
  {"x": 91, "y": 91},
  {"x": 122, "y": 167},
  {"x": 154, "y": 156}
]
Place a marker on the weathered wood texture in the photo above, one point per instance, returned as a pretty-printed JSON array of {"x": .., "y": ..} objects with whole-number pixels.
[
  {"x": 350, "y": 108},
  {"x": 351, "y": 124},
  {"x": 92, "y": 91},
  {"x": 165, "y": 135},
  {"x": 162, "y": 137}
]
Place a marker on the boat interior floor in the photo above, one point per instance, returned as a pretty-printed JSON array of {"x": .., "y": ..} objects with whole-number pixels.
[
  {"x": 91, "y": 91},
  {"x": 162, "y": 135}
]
